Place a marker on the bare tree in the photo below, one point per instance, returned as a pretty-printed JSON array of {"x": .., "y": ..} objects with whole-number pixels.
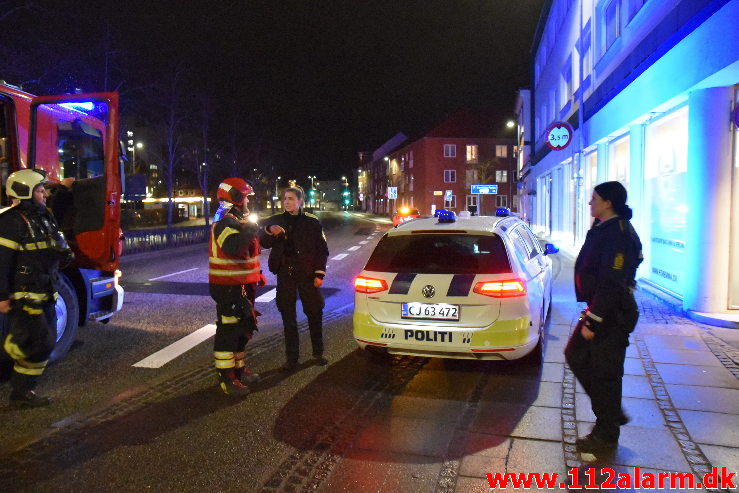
[
  {"x": 172, "y": 125},
  {"x": 485, "y": 173}
]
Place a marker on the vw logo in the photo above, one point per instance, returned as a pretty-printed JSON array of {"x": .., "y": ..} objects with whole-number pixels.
[{"x": 428, "y": 291}]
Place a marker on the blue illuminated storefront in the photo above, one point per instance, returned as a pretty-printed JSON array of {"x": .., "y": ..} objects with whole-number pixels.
[{"x": 650, "y": 101}]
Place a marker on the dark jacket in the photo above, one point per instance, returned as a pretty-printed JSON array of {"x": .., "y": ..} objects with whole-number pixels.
[
  {"x": 304, "y": 245},
  {"x": 31, "y": 249},
  {"x": 606, "y": 267}
]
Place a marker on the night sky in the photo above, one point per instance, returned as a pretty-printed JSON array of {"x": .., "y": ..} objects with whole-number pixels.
[{"x": 313, "y": 81}]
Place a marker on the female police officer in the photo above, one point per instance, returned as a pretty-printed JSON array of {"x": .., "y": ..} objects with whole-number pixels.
[
  {"x": 298, "y": 258},
  {"x": 604, "y": 278}
]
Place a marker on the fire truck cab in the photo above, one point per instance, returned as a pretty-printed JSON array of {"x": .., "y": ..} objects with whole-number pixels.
[{"x": 72, "y": 136}]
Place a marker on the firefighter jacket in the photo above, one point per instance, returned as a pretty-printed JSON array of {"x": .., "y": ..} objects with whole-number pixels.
[
  {"x": 606, "y": 267},
  {"x": 234, "y": 251},
  {"x": 31, "y": 250},
  {"x": 303, "y": 246}
]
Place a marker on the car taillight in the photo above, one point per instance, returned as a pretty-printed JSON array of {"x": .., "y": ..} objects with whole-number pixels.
[
  {"x": 501, "y": 289},
  {"x": 369, "y": 285}
]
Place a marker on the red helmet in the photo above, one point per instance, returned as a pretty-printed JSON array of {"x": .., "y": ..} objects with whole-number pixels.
[{"x": 234, "y": 190}]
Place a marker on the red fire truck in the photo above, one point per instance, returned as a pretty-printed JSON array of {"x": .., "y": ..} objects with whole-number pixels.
[{"x": 73, "y": 136}]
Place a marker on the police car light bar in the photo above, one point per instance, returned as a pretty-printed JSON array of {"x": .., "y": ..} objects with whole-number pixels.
[{"x": 446, "y": 216}]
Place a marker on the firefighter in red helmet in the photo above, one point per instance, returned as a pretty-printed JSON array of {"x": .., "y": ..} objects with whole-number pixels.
[{"x": 233, "y": 271}]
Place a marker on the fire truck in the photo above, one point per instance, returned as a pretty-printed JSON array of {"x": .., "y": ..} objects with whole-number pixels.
[{"x": 72, "y": 136}]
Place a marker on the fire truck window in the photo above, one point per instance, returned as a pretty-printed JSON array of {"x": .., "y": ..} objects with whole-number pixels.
[{"x": 80, "y": 150}]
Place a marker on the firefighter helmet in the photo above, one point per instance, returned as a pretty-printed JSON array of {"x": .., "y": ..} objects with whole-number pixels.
[
  {"x": 20, "y": 184},
  {"x": 234, "y": 190}
]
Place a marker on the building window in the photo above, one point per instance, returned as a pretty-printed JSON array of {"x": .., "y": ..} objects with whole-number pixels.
[
  {"x": 410, "y": 185},
  {"x": 472, "y": 201},
  {"x": 566, "y": 82},
  {"x": 472, "y": 153},
  {"x": 451, "y": 204},
  {"x": 632, "y": 7},
  {"x": 410, "y": 160},
  {"x": 610, "y": 24},
  {"x": 450, "y": 150},
  {"x": 501, "y": 201},
  {"x": 514, "y": 176},
  {"x": 501, "y": 176},
  {"x": 501, "y": 151},
  {"x": 450, "y": 176}
]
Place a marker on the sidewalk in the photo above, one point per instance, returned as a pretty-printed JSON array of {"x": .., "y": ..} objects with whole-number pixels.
[
  {"x": 681, "y": 389},
  {"x": 451, "y": 424}
]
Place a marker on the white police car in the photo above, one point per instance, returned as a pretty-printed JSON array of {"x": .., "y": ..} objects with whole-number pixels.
[{"x": 468, "y": 287}]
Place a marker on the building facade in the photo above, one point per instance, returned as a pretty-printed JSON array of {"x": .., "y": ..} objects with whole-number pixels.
[
  {"x": 437, "y": 169},
  {"x": 649, "y": 87}
]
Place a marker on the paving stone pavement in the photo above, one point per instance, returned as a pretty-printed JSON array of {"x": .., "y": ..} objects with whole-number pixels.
[{"x": 681, "y": 390}]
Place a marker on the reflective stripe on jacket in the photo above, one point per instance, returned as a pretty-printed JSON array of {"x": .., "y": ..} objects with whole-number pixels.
[{"x": 224, "y": 269}]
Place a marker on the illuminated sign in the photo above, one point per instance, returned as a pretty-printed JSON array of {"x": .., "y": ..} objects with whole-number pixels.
[
  {"x": 484, "y": 189},
  {"x": 392, "y": 192},
  {"x": 558, "y": 136}
]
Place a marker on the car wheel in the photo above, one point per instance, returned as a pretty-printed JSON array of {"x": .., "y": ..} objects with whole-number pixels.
[{"x": 67, "y": 318}]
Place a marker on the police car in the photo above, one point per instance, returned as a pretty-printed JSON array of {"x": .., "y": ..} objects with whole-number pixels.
[{"x": 469, "y": 287}]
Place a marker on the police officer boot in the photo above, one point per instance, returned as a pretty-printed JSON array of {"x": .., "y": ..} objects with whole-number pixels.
[{"x": 230, "y": 385}]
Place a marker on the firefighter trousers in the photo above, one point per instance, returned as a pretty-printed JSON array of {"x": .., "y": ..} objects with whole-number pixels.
[
  {"x": 29, "y": 343},
  {"x": 234, "y": 328}
]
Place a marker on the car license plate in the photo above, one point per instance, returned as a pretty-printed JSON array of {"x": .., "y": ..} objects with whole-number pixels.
[{"x": 430, "y": 311}]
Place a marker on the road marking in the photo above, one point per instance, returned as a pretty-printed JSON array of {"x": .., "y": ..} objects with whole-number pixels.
[
  {"x": 340, "y": 256},
  {"x": 370, "y": 237},
  {"x": 354, "y": 248},
  {"x": 266, "y": 297},
  {"x": 363, "y": 242},
  {"x": 173, "y": 274},
  {"x": 164, "y": 356}
]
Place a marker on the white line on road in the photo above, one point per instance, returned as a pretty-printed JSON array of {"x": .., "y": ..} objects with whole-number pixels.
[
  {"x": 266, "y": 297},
  {"x": 363, "y": 242},
  {"x": 340, "y": 256},
  {"x": 164, "y": 356},
  {"x": 173, "y": 274},
  {"x": 354, "y": 248}
]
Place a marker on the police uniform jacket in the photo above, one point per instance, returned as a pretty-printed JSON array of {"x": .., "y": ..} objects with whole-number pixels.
[
  {"x": 606, "y": 267},
  {"x": 303, "y": 247},
  {"x": 31, "y": 249}
]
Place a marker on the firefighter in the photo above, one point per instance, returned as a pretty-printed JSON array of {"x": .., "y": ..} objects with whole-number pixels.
[
  {"x": 233, "y": 271},
  {"x": 298, "y": 259},
  {"x": 31, "y": 251},
  {"x": 605, "y": 272}
]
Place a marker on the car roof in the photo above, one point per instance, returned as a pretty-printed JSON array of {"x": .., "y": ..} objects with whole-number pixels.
[{"x": 468, "y": 225}]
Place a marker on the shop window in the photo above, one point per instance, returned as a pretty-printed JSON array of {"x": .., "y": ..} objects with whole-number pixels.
[{"x": 451, "y": 204}]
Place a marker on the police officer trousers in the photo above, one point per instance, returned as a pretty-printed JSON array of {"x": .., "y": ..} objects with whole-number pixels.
[
  {"x": 598, "y": 365},
  {"x": 29, "y": 342},
  {"x": 290, "y": 285}
]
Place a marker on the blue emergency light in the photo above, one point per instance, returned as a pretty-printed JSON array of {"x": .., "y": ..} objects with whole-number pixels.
[
  {"x": 502, "y": 212},
  {"x": 446, "y": 216}
]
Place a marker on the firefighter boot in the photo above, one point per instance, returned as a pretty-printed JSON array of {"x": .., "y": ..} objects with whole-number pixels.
[
  {"x": 230, "y": 385},
  {"x": 246, "y": 376},
  {"x": 28, "y": 398}
]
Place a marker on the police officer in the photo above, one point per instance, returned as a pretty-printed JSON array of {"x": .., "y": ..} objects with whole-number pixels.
[
  {"x": 233, "y": 271},
  {"x": 31, "y": 250},
  {"x": 605, "y": 271},
  {"x": 298, "y": 259}
]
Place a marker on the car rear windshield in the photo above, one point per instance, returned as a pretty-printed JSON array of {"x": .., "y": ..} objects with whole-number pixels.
[{"x": 440, "y": 254}]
